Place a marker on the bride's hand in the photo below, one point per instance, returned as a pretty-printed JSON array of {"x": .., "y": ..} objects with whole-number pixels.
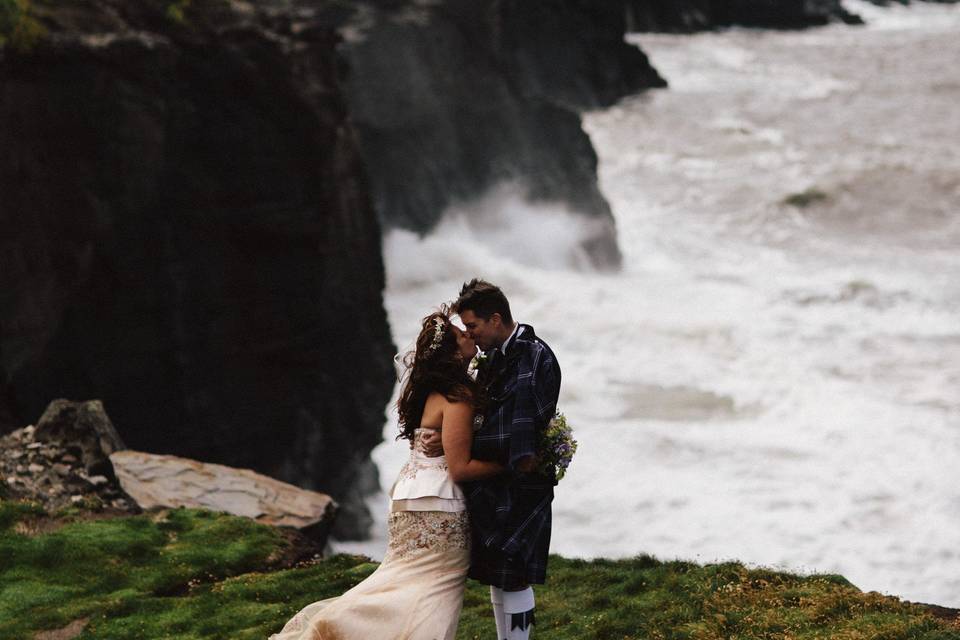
[{"x": 432, "y": 443}]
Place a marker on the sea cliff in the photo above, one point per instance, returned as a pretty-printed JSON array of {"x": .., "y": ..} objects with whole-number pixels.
[
  {"x": 193, "y": 196},
  {"x": 188, "y": 236},
  {"x": 451, "y": 99}
]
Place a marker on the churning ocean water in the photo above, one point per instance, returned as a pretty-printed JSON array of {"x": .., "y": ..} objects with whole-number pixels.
[{"x": 774, "y": 376}]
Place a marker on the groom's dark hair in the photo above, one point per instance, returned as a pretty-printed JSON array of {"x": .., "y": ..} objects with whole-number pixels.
[{"x": 484, "y": 299}]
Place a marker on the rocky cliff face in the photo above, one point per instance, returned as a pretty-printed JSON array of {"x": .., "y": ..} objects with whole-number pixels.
[
  {"x": 452, "y": 98},
  {"x": 187, "y": 234},
  {"x": 887, "y": 3},
  {"x": 695, "y": 15}
]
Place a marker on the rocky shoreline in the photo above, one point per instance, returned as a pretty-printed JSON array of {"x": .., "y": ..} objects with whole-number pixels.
[{"x": 194, "y": 197}]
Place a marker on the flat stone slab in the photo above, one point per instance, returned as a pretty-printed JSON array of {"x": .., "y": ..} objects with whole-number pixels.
[{"x": 161, "y": 481}]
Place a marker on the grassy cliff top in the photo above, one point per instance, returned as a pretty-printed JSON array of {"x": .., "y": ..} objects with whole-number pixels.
[{"x": 190, "y": 574}]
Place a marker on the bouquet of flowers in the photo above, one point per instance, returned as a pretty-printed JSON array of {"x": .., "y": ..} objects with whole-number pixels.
[{"x": 557, "y": 447}]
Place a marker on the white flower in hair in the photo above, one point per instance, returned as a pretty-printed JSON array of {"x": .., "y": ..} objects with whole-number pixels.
[{"x": 437, "y": 335}]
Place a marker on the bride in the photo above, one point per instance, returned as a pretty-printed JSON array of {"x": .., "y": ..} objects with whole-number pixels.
[{"x": 417, "y": 591}]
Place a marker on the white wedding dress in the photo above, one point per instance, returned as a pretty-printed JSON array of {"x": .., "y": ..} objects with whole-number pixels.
[{"x": 417, "y": 591}]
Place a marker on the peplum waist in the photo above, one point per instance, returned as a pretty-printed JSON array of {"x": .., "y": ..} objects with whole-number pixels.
[{"x": 424, "y": 484}]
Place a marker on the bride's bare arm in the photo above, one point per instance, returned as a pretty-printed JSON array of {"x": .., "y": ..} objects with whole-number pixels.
[{"x": 457, "y": 435}]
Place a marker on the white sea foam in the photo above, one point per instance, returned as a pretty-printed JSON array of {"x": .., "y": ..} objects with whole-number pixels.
[
  {"x": 719, "y": 60},
  {"x": 762, "y": 382},
  {"x": 925, "y": 17},
  {"x": 504, "y": 222}
]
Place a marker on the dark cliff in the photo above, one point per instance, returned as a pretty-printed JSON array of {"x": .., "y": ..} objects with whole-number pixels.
[
  {"x": 187, "y": 229},
  {"x": 453, "y": 98},
  {"x": 696, "y": 15},
  {"x": 186, "y": 233},
  {"x": 887, "y": 3}
]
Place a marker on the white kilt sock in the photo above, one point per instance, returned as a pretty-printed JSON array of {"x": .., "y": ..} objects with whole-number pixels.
[
  {"x": 518, "y": 613},
  {"x": 496, "y": 599}
]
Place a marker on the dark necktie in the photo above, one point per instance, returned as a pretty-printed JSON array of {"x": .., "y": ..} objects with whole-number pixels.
[{"x": 493, "y": 361}]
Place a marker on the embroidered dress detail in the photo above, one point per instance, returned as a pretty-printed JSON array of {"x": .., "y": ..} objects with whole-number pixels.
[
  {"x": 427, "y": 503},
  {"x": 413, "y": 467},
  {"x": 413, "y": 532},
  {"x": 417, "y": 591}
]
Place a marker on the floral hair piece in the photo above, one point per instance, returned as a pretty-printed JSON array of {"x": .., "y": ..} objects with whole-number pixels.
[{"x": 437, "y": 336}]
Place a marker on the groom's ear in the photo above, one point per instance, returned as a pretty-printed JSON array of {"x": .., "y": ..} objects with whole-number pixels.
[{"x": 496, "y": 317}]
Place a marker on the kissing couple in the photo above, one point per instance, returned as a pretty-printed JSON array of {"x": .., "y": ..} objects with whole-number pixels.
[{"x": 473, "y": 499}]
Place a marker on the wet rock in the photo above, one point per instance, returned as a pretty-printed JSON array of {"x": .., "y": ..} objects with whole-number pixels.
[{"x": 697, "y": 15}]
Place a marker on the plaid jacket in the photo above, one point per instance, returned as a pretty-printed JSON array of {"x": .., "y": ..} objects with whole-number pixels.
[{"x": 510, "y": 514}]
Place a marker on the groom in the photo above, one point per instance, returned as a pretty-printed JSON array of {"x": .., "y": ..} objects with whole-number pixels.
[{"x": 509, "y": 514}]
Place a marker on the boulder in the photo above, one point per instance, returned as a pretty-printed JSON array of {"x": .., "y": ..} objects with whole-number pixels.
[
  {"x": 162, "y": 481},
  {"x": 55, "y": 471},
  {"x": 84, "y": 429}
]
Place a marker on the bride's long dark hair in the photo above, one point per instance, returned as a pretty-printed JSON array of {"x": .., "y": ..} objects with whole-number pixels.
[{"x": 434, "y": 368}]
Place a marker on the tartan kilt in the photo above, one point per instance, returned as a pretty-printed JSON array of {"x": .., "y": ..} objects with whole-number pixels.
[{"x": 511, "y": 553}]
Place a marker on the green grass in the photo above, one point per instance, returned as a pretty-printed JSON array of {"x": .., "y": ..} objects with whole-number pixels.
[
  {"x": 195, "y": 574},
  {"x": 118, "y": 570}
]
